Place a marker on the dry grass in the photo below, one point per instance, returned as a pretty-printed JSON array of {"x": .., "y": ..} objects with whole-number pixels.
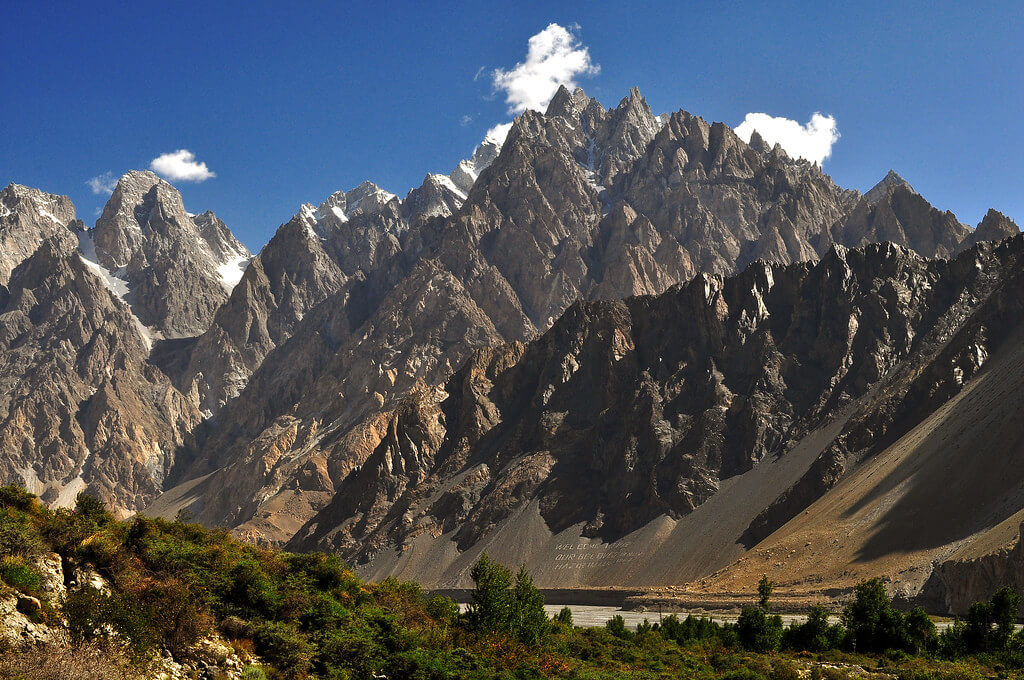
[{"x": 65, "y": 662}]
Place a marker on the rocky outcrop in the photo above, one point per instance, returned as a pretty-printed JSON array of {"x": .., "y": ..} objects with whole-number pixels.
[
  {"x": 955, "y": 584},
  {"x": 27, "y": 218},
  {"x": 995, "y": 226}
]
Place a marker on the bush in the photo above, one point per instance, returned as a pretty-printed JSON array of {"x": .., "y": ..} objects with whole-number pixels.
[
  {"x": 442, "y": 609},
  {"x": 59, "y": 662},
  {"x": 564, "y": 616},
  {"x": 17, "y": 536},
  {"x": 66, "y": 530},
  {"x": 816, "y": 634},
  {"x": 17, "y": 498},
  {"x": 287, "y": 650},
  {"x": 253, "y": 673},
  {"x": 92, "y": 509},
  {"x": 617, "y": 627},
  {"x": 86, "y": 612},
  {"x": 743, "y": 673}
]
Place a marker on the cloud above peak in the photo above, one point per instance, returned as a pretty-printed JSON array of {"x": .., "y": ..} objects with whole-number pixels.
[
  {"x": 554, "y": 57},
  {"x": 103, "y": 184},
  {"x": 812, "y": 140},
  {"x": 181, "y": 166}
]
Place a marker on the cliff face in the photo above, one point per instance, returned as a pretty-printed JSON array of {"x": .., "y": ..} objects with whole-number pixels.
[
  {"x": 82, "y": 407},
  {"x": 27, "y": 218}
]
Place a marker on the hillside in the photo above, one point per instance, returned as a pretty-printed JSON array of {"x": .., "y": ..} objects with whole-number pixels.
[{"x": 86, "y": 597}]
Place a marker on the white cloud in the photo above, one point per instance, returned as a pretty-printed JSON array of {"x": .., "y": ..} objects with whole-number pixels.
[
  {"x": 465, "y": 120},
  {"x": 181, "y": 166},
  {"x": 498, "y": 133},
  {"x": 812, "y": 141},
  {"x": 103, "y": 184},
  {"x": 555, "y": 57}
]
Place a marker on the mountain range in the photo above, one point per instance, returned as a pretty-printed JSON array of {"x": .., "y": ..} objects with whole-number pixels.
[{"x": 624, "y": 349}]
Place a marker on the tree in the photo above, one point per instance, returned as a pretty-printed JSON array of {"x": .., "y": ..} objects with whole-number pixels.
[
  {"x": 920, "y": 630},
  {"x": 92, "y": 508},
  {"x": 874, "y": 625},
  {"x": 979, "y": 626},
  {"x": 529, "y": 621},
  {"x": 617, "y": 627},
  {"x": 816, "y": 634},
  {"x": 764, "y": 591},
  {"x": 1004, "y": 604},
  {"x": 489, "y": 607}
]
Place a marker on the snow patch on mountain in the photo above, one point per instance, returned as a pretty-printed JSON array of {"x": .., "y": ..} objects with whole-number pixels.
[{"x": 230, "y": 272}]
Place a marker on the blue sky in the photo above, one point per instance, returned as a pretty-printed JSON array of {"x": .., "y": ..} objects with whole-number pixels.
[{"x": 287, "y": 105}]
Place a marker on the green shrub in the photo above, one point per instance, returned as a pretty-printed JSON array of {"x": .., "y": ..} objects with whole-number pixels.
[
  {"x": 617, "y": 627},
  {"x": 86, "y": 612},
  {"x": 18, "y": 575},
  {"x": 253, "y": 590},
  {"x": 743, "y": 674},
  {"x": 17, "y": 498},
  {"x": 284, "y": 647},
  {"x": 92, "y": 509},
  {"x": 564, "y": 616},
  {"x": 442, "y": 609},
  {"x": 253, "y": 673},
  {"x": 67, "y": 530},
  {"x": 18, "y": 537}
]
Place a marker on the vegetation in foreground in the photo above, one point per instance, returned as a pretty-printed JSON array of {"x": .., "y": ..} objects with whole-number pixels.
[{"x": 307, "y": 616}]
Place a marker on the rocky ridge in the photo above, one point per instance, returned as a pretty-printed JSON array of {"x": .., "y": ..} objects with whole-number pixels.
[{"x": 628, "y": 412}]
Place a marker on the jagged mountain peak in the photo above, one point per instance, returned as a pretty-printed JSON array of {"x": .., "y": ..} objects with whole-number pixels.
[
  {"x": 465, "y": 174},
  {"x": 995, "y": 226},
  {"x": 998, "y": 225},
  {"x": 888, "y": 183},
  {"x": 172, "y": 267},
  {"x": 568, "y": 104}
]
